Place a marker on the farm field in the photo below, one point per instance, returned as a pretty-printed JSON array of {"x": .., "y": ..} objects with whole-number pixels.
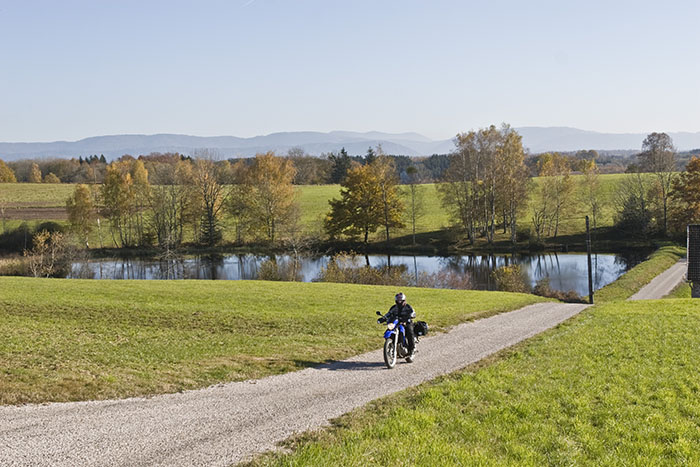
[
  {"x": 36, "y": 202},
  {"x": 616, "y": 385},
  {"x": 81, "y": 339}
]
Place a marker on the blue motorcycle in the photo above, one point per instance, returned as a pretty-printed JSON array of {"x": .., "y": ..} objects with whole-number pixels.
[{"x": 395, "y": 345}]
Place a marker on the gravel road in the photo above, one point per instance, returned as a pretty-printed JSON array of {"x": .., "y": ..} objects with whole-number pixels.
[
  {"x": 224, "y": 424},
  {"x": 662, "y": 284}
]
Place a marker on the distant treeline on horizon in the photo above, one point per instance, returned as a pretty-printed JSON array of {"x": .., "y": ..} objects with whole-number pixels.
[{"x": 328, "y": 168}]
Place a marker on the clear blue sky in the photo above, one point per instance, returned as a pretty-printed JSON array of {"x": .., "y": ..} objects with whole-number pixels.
[{"x": 73, "y": 69}]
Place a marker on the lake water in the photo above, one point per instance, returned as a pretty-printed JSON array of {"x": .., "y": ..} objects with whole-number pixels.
[{"x": 566, "y": 271}]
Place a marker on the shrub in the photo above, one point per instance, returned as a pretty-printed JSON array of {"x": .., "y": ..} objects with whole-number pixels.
[
  {"x": 13, "y": 266},
  {"x": 511, "y": 279},
  {"x": 347, "y": 268},
  {"x": 446, "y": 279},
  {"x": 273, "y": 270},
  {"x": 18, "y": 239},
  {"x": 543, "y": 289},
  {"x": 48, "y": 256}
]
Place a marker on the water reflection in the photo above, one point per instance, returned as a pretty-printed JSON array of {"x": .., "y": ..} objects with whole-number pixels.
[{"x": 565, "y": 271}]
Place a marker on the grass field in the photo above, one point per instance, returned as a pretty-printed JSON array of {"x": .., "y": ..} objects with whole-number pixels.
[
  {"x": 617, "y": 385},
  {"x": 35, "y": 194},
  {"x": 314, "y": 206},
  {"x": 81, "y": 339}
]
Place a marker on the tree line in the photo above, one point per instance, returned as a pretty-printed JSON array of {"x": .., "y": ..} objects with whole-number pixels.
[{"x": 486, "y": 187}]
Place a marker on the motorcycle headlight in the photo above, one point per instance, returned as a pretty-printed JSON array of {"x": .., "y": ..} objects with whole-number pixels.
[{"x": 390, "y": 326}]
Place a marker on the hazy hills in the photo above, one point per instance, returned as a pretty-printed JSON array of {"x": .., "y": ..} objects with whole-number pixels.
[{"x": 536, "y": 139}]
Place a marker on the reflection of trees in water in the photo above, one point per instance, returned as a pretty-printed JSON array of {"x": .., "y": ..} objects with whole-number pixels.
[
  {"x": 414, "y": 269},
  {"x": 477, "y": 267},
  {"x": 544, "y": 265},
  {"x": 170, "y": 268}
]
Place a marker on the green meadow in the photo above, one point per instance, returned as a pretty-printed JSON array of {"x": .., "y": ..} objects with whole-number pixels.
[
  {"x": 89, "y": 339},
  {"x": 617, "y": 385}
]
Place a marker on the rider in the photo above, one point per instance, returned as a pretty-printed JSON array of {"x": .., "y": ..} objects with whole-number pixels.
[{"x": 405, "y": 313}]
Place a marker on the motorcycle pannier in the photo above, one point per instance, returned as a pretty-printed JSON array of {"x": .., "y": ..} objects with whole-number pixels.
[{"x": 421, "y": 328}]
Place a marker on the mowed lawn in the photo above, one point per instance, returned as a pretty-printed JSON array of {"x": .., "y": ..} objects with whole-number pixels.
[
  {"x": 617, "y": 385},
  {"x": 314, "y": 205},
  {"x": 87, "y": 339}
]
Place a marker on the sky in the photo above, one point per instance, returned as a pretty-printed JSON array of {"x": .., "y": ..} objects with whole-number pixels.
[{"x": 74, "y": 69}]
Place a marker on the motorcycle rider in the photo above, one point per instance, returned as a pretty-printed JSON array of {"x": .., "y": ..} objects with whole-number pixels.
[{"x": 405, "y": 313}]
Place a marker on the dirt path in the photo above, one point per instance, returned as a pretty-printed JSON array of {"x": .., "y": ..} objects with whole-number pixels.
[
  {"x": 228, "y": 423},
  {"x": 663, "y": 284}
]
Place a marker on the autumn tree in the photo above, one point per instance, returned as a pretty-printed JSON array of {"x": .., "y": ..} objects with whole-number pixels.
[
  {"x": 512, "y": 179},
  {"x": 310, "y": 170},
  {"x": 117, "y": 199},
  {"x": 35, "y": 174},
  {"x": 686, "y": 194},
  {"x": 658, "y": 156},
  {"x": 590, "y": 189},
  {"x": 415, "y": 198},
  {"x": 486, "y": 176},
  {"x": 552, "y": 199},
  {"x": 390, "y": 195},
  {"x": 80, "y": 209},
  {"x": 270, "y": 200},
  {"x": 7, "y": 175},
  {"x": 460, "y": 193},
  {"x": 358, "y": 211},
  {"x": 369, "y": 199},
  {"x": 211, "y": 195},
  {"x": 167, "y": 201},
  {"x": 141, "y": 196},
  {"x": 51, "y": 178}
]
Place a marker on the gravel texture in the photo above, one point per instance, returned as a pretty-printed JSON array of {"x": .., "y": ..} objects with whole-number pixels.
[
  {"x": 224, "y": 424},
  {"x": 663, "y": 284}
]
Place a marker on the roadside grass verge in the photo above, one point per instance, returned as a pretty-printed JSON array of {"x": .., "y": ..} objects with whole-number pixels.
[
  {"x": 682, "y": 290},
  {"x": 640, "y": 275},
  {"x": 85, "y": 339},
  {"x": 617, "y": 385}
]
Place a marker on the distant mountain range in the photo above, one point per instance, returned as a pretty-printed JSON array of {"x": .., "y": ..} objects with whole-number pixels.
[{"x": 536, "y": 139}]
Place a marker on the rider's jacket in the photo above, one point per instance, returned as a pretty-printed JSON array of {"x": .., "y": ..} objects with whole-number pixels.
[{"x": 404, "y": 313}]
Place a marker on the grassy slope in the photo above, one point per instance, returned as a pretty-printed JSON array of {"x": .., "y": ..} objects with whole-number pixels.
[
  {"x": 314, "y": 204},
  {"x": 640, "y": 275},
  {"x": 75, "y": 340},
  {"x": 615, "y": 386}
]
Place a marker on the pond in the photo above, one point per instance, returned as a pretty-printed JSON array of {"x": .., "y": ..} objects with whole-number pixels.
[{"x": 566, "y": 271}]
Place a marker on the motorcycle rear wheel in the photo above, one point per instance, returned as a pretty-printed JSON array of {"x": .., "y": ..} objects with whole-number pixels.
[{"x": 389, "y": 353}]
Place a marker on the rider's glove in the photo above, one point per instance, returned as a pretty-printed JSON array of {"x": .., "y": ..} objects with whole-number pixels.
[{"x": 381, "y": 320}]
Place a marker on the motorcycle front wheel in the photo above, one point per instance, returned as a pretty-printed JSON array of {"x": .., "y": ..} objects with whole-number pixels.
[{"x": 389, "y": 353}]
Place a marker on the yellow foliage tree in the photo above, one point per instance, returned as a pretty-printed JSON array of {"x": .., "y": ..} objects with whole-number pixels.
[
  {"x": 35, "y": 174},
  {"x": 271, "y": 199},
  {"x": 7, "y": 175}
]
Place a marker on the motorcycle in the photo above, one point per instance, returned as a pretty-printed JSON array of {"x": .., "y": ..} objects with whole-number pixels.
[{"x": 395, "y": 345}]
